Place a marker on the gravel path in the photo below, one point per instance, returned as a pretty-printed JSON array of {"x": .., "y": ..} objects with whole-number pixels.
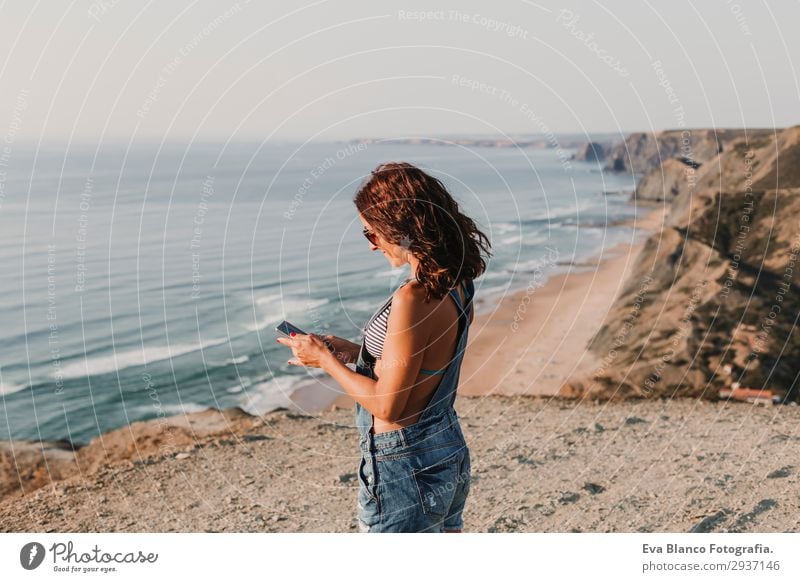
[{"x": 538, "y": 465}]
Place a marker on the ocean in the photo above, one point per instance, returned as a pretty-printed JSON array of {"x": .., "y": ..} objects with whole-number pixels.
[{"x": 145, "y": 280}]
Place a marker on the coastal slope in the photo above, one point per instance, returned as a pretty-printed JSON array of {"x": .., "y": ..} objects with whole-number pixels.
[{"x": 712, "y": 301}]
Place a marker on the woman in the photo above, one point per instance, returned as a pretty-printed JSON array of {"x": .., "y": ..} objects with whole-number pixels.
[{"x": 414, "y": 472}]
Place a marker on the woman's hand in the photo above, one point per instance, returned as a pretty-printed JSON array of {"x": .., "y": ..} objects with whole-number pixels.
[
  {"x": 308, "y": 349},
  {"x": 343, "y": 349}
]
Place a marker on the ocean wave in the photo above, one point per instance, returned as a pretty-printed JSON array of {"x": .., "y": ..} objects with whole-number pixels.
[
  {"x": 491, "y": 292},
  {"x": 505, "y": 227},
  {"x": 510, "y": 240},
  {"x": 588, "y": 223},
  {"x": 519, "y": 227},
  {"x": 245, "y": 382},
  {"x": 398, "y": 273},
  {"x": 528, "y": 239},
  {"x": 558, "y": 214},
  {"x": 128, "y": 359},
  {"x": 535, "y": 265},
  {"x": 275, "y": 307},
  {"x": 11, "y": 388},
  {"x": 275, "y": 392},
  {"x": 239, "y": 360},
  {"x": 266, "y": 396},
  {"x": 362, "y": 305}
]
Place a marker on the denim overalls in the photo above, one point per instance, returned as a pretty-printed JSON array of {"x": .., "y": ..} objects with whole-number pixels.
[{"x": 416, "y": 478}]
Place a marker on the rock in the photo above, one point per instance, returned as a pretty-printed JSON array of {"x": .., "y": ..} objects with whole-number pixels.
[
  {"x": 746, "y": 519},
  {"x": 780, "y": 473},
  {"x": 591, "y": 152},
  {"x": 523, "y": 460},
  {"x": 545, "y": 509},
  {"x": 593, "y": 488},
  {"x": 346, "y": 477},
  {"x": 255, "y": 437},
  {"x": 642, "y": 152},
  {"x": 663, "y": 183},
  {"x": 181, "y": 456},
  {"x": 634, "y": 420},
  {"x": 568, "y": 497}
]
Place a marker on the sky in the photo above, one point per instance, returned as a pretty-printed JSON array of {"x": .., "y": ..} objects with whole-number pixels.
[{"x": 121, "y": 70}]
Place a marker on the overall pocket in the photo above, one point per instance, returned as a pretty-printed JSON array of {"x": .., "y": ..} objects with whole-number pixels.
[
  {"x": 366, "y": 479},
  {"x": 437, "y": 484}
]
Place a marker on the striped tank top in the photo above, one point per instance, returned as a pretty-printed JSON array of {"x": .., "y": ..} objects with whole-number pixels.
[{"x": 375, "y": 332}]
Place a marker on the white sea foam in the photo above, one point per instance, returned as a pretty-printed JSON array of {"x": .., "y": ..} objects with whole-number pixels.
[
  {"x": 266, "y": 396},
  {"x": 244, "y": 382},
  {"x": 11, "y": 388},
  {"x": 239, "y": 360},
  {"x": 273, "y": 308},
  {"x": 399, "y": 272},
  {"x": 362, "y": 305},
  {"x": 494, "y": 292},
  {"x": 541, "y": 264},
  {"x": 505, "y": 227},
  {"x": 511, "y": 239},
  {"x": 135, "y": 357}
]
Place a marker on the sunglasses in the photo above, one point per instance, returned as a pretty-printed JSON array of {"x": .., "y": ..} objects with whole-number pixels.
[{"x": 371, "y": 236}]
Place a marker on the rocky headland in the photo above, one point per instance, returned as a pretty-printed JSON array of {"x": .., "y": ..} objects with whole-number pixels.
[{"x": 710, "y": 308}]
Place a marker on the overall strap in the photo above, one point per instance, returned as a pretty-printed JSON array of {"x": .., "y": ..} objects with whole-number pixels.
[{"x": 469, "y": 293}]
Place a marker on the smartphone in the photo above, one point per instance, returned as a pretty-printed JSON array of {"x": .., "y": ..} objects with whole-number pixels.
[{"x": 287, "y": 328}]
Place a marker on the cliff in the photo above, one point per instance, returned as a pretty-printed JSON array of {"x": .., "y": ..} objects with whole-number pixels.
[
  {"x": 642, "y": 152},
  {"x": 26, "y": 466},
  {"x": 713, "y": 298},
  {"x": 591, "y": 152}
]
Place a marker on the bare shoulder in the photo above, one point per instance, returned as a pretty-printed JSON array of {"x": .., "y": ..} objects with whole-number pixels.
[
  {"x": 411, "y": 299},
  {"x": 411, "y": 295},
  {"x": 410, "y": 311}
]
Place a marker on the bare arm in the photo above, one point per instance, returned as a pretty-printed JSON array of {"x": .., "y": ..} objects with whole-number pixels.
[
  {"x": 345, "y": 350},
  {"x": 359, "y": 387},
  {"x": 406, "y": 338}
]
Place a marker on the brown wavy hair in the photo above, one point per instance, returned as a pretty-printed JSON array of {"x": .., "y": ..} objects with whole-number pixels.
[{"x": 411, "y": 208}]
